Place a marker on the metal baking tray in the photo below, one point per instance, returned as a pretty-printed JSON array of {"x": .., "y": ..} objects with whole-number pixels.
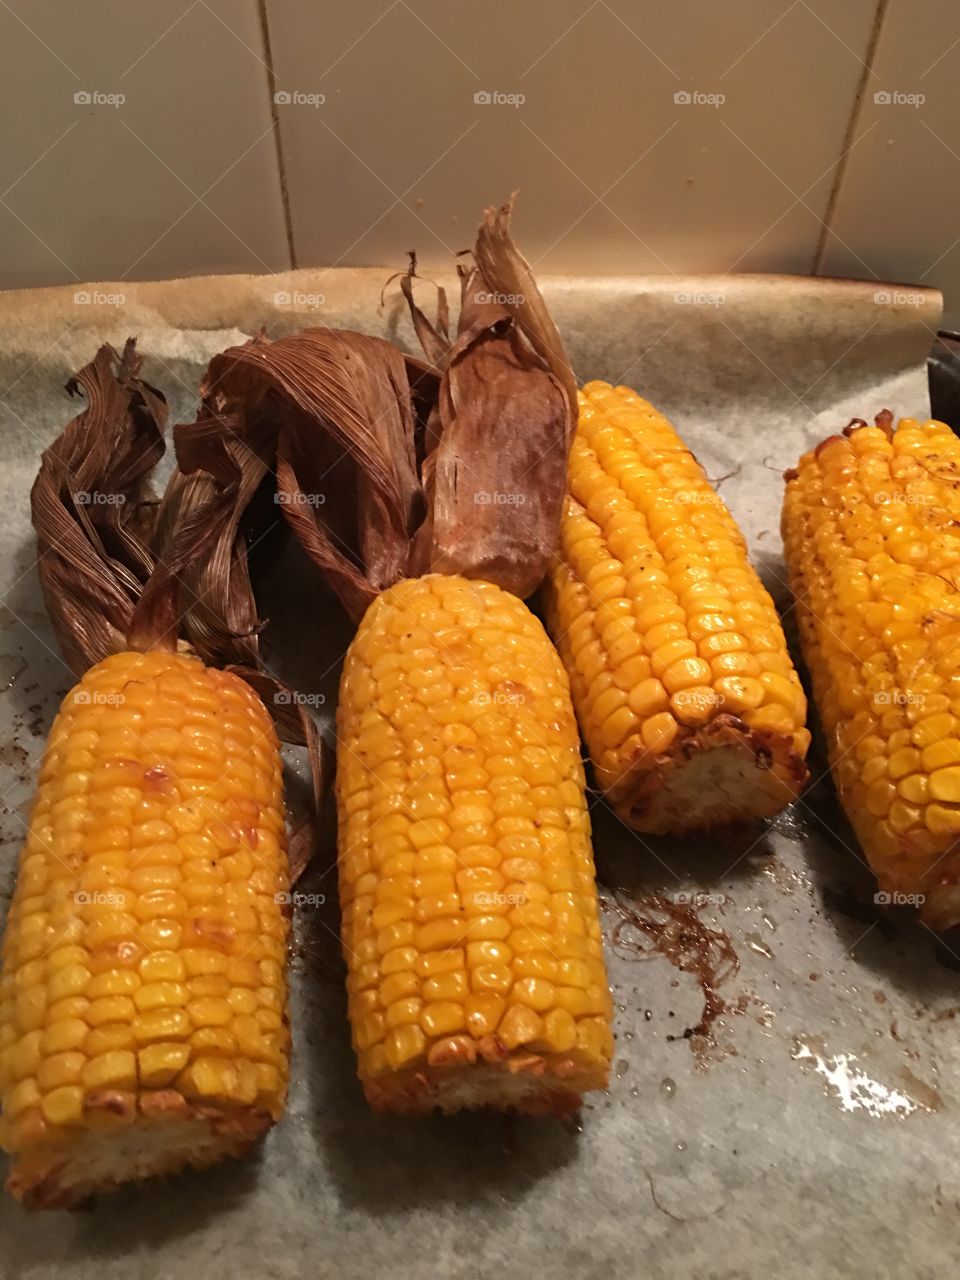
[{"x": 785, "y": 1089}]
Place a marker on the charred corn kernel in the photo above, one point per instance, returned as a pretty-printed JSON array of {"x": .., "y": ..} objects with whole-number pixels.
[
  {"x": 643, "y": 524},
  {"x": 871, "y": 525},
  {"x": 449, "y": 859},
  {"x": 119, "y": 845}
]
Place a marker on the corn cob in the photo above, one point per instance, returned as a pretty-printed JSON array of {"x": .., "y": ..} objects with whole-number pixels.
[
  {"x": 870, "y": 527},
  {"x": 681, "y": 679},
  {"x": 143, "y": 992},
  {"x": 470, "y": 919}
]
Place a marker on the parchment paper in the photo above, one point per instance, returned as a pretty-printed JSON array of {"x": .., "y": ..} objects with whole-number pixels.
[{"x": 816, "y": 1136}]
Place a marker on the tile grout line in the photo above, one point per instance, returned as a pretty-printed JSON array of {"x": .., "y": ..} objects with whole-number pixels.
[
  {"x": 856, "y": 111},
  {"x": 278, "y": 137}
]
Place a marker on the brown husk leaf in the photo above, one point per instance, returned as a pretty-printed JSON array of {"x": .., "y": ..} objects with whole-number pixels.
[
  {"x": 120, "y": 570},
  {"x": 93, "y": 509},
  {"x": 387, "y": 467},
  {"x": 341, "y": 405}
]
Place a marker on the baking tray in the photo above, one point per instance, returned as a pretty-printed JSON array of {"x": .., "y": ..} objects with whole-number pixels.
[{"x": 785, "y": 1085}]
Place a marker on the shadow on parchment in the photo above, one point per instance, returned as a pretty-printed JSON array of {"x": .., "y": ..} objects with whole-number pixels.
[
  {"x": 386, "y": 1164},
  {"x": 889, "y": 941},
  {"x": 126, "y": 1222}
]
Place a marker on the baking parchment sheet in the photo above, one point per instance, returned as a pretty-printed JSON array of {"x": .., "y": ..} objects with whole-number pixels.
[{"x": 816, "y": 1133}]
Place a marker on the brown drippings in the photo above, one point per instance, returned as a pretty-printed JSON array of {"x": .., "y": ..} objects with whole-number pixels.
[
  {"x": 926, "y": 1095},
  {"x": 9, "y": 680},
  {"x": 676, "y": 932},
  {"x": 13, "y": 755}
]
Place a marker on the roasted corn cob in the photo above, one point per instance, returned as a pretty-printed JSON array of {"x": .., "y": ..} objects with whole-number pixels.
[
  {"x": 143, "y": 991},
  {"x": 871, "y": 527},
  {"x": 470, "y": 918},
  {"x": 681, "y": 679}
]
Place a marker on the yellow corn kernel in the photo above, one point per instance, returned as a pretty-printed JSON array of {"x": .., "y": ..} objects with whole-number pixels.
[
  {"x": 559, "y": 1033},
  {"x": 121, "y": 843},
  {"x": 64, "y": 1105},
  {"x": 117, "y": 1070},
  {"x": 159, "y": 1064},
  {"x": 60, "y": 1069},
  {"x": 519, "y": 1025},
  {"x": 448, "y": 860},
  {"x": 643, "y": 527},
  {"x": 869, "y": 524}
]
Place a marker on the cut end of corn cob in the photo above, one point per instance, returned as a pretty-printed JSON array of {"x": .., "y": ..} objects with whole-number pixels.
[
  {"x": 470, "y": 918},
  {"x": 166, "y": 1137},
  {"x": 683, "y": 686},
  {"x": 143, "y": 989},
  {"x": 870, "y": 529}
]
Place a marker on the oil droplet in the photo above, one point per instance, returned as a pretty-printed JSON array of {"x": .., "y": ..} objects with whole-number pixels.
[
  {"x": 635, "y": 1092},
  {"x": 758, "y": 945},
  {"x": 668, "y": 1087},
  {"x": 623, "y": 1066},
  {"x": 681, "y": 1146},
  {"x": 855, "y": 1090}
]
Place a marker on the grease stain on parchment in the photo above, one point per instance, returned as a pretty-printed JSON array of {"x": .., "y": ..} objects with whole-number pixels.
[{"x": 855, "y": 1090}]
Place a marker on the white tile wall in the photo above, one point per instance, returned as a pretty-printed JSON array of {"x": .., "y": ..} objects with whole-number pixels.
[
  {"x": 898, "y": 212},
  {"x": 797, "y": 168},
  {"x": 615, "y": 174},
  {"x": 180, "y": 178}
]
